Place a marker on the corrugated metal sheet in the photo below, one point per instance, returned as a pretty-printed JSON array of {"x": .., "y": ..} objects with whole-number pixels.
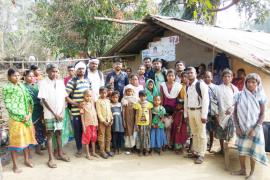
[{"x": 251, "y": 47}]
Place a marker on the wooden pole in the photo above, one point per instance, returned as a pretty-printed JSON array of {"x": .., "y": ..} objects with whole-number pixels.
[{"x": 119, "y": 21}]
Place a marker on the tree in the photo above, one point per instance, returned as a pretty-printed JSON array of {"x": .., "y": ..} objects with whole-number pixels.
[
  {"x": 69, "y": 26},
  {"x": 204, "y": 11}
]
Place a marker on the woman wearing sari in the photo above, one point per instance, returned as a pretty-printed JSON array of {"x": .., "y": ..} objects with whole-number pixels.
[
  {"x": 169, "y": 91},
  {"x": 37, "y": 113},
  {"x": 21, "y": 130},
  {"x": 248, "y": 119}
]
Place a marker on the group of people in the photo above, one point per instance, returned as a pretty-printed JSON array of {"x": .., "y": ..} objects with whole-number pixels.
[{"x": 150, "y": 111}]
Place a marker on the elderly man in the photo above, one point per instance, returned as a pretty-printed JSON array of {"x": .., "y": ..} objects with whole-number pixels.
[
  {"x": 196, "y": 106},
  {"x": 53, "y": 95},
  {"x": 117, "y": 77},
  {"x": 75, "y": 89},
  {"x": 179, "y": 68},
  {"x": 95, "y": 76}
]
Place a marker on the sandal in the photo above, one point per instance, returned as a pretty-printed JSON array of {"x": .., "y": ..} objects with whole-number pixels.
[
  {"x": 63, "y": 158},
  {"x": 199, "y": 160},
  {"x": 96, "y": 155},
  {"x": 239, "y": 173},
  {"x": 51, "y": 164}
]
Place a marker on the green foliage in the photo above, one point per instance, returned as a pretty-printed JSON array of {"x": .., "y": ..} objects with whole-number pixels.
[{"x": 69, "y": 26}]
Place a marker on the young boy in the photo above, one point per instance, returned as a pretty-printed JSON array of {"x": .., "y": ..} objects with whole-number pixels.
[
  {"x": 89, "y": 123},
  {"x": 52, "y": 93},
  {"x": 143, "y": 123},
  {"x": 213, "y": 108},
  {"x": 103, "y": 107}
]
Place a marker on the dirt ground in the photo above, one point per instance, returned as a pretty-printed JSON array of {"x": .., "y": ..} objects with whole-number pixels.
[{"x": 131, "y": 167}]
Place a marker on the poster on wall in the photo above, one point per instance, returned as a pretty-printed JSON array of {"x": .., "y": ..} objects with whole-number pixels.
[{"x": 164, "y": 49}]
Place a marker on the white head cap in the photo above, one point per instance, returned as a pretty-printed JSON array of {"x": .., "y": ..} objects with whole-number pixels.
[{"x": 80, "y": 65}]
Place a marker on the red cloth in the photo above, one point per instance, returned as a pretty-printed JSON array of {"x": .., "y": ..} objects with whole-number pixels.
[
  {"x": 179, "y": 137},
  {"x": 66, "y": 79},
  {"x": 90, "y": 135},
  {"x": 239, "y": 83}
]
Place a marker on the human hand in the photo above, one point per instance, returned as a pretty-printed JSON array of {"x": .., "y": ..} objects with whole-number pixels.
[
  {"x": 27, "y": 118},
  {"x": 251, "y": 133},
  {"x": 58, "y": 117},
  {"x": 228, "y": 112},
  {"x": 178, "y": 129},
  {"x": 111, "y": 80},
  {"x": 239, "y": 132},
  {"x": 203, "y": 120}
]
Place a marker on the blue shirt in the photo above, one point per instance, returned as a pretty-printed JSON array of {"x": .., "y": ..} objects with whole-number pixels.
[{"x": 120, "y": 81}]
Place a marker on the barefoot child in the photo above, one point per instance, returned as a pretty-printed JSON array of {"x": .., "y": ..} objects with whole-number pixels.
[
  {"x": 117, "y": 126},
  {"x": 89, "y": 123},
  {"x": 158, "y": 137},
  {"x": 143, "y": 123},
  {"x": 103, "y": 107},
  {"x": 129, "y": 117},
  {"x": 179, "y": 128}
]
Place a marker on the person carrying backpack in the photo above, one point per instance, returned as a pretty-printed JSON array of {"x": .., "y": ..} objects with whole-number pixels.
[
  {"x": 196, "y": 105},
  {"x": 75, "y": 89}
]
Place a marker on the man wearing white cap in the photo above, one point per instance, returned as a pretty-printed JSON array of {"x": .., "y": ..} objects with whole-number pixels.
[
  {"x": 95, "y": 76},
  {"x": 75, "y": 89}
]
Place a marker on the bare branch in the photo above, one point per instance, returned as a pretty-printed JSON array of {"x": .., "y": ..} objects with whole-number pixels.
[{"x": 119, "y": 21}]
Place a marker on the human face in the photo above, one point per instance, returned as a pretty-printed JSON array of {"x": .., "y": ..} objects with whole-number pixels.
[
  {"x": 93, "y": 66},
  {"x": 150, "y": 85},
  {"x": 71, "y": 72},
  {"x": 208, "y": 78},
  {"x": 252, "y": 85},
  {"x": 157, "y": 101},
  {"x": 141, "y": 70},
  {"x": 191, "y": 74},
  {"x": 241, "y": 75},
  {"x": 103, "y": 94},
  {"x": 134, "y": 81},
  {"x": 129, "y": 92},
  {"x": 118, "y": 66},
  {"x": 52, "y": 73},
  {"x": 180, "y": 67},
  {"x": 184, "y": 79},
  {"x": 157, "y": 65},
  {"x": 201, "y": 69},
  {"x": 88, "y": 96},
  {"x": 115, "y": 98},
  {"x": 147, "y": 63},
  {"x": 15, "y": 78},
  {"x": 142, "y": 98},
  {"x": 80, "y": 72},
  {"x": 37, "y": 72},
  {"x": 227, "y": 79},
  {"x": 29, "y": 79},
  {"x": 170, "y": 77},
  {"x": 109, "y": 92}
]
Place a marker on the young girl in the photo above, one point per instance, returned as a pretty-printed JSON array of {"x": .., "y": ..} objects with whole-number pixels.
[
  {"x": 158, "y": 137},
  {"x": 179, "y": 128},
  {"x": 129, "y": 117},
  {"x": 143, "y": 123},
  {"x": 21, "y": 130},
  {"x": 151, "y": 90},
  {"x": 117, "y": 127},
  {"x": 89, "y": 123}
]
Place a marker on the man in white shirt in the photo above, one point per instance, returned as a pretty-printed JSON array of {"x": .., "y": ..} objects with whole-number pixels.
[
  {"x": 52, "y": 93},
  {"x": 195, "y": 112},
  {"x": 96, "y": 77}
]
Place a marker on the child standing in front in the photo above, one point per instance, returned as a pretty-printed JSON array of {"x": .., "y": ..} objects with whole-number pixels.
[
  {"x": 117, "y": 126},
  {"x": 103, "y": 107},
  {"x": 158, "y": 137},
  {"x": 129, "y": 117},
  {"x": 143, "y": 123},
  {"x": 89, "y": 123}
]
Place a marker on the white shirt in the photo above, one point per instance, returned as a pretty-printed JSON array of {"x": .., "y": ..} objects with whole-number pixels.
[
  {"x": 225, "y": 97},
  {"x": 192, "y": 99},
  {"x": 54, "y": 92},
  {"x": 177, "y": 79},
  {"x": 96, "y": 82}
]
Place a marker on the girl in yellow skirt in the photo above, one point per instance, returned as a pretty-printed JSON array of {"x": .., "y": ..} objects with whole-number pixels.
[{"x": 19, "y": 104}]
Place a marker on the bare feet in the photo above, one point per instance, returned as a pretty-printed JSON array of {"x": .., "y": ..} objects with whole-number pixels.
[
  {"x": 28, "y": 164},
  {"x": 39, "y": 152},
  {"x": 89, "y": 157},
  {"x": 250, "y": 177},
  {"x": 51, "y": 164},
  {"x": 96, "y": 155},
  {"x": 16, "y": 170}
]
